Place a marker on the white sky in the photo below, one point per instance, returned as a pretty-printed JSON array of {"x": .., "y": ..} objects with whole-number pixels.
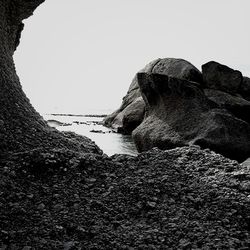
[{"x": 77, "y": 55}]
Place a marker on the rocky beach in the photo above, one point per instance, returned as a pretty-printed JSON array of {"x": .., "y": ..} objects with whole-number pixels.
[{"x": 188, "y": 188}]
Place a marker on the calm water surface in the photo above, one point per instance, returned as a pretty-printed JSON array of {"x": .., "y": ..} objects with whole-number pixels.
[{"x": 110, "y": 142}]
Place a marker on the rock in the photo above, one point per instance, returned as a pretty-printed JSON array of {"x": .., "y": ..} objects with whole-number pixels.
[
  {"x": 69, "y": 245},
  {"x": 245, "y": 88},
  {"x": 246, "y": 162},
  {"x": 27, "y": 248},
  {"x": 151, "y": 204},
  {"x": 115, "y": 120},
  {"x": 41, "y": 206},
  {"x": 131, "y": 112},
  {"x": 129, "y": 118},
  {"x": 178, "y": 68},
  {"x": 221, "y": 77},
  {"x": 237, "y": 105},
  {"x": 179, "y": 114},
  {"x": 55, "y": 123},
  {"x": 97, "y": 131}
]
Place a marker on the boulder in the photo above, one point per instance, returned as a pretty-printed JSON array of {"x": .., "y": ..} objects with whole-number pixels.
[
  {"x": 130, "y": 117},
  {"x": 179, "y": 68},
  {"x": 115, "y": 120},
  {"x": 237, "y": 105},
  {"x": 178, "y": 113},
  {"x": 245, "y": 88},
  {"x": 221, "y": 77}
]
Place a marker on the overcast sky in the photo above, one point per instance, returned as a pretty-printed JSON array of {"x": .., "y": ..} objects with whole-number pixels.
[{"x": 82, "y": 54}]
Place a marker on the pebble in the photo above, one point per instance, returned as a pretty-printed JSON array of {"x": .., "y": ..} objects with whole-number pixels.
[
  {"x": 245, "y": 186},
  {"x": 41, "y": 206},
  {"x": 58, "y": 207},
  {"x": 151, "y": 204},
  {"x": 30, "y": 196},
  {"x": 26, "y": 248}
]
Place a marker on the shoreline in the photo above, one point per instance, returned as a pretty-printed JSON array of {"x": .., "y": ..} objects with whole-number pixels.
[{"x": 78, "y": 115}]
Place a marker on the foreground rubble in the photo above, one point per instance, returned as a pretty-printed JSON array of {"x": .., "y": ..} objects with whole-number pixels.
[{"x": 185, "y": 198}]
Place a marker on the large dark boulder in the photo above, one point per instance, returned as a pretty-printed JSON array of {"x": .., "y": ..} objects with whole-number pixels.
[
  {"x": 179, "y": 68},
  {"x": 245, "y": 88},
  {"x": 237, "y": 105},
  {"x": 178, "y": 113},
  {"x": 115, "y": 120},
  {"x": 130, "y": 117},
  {"x": 221, "y": 77}
]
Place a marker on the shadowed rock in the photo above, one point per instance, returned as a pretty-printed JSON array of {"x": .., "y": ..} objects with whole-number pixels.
[
  {"x": 221, "y": 77},
  {"x": 120, "y": 119},
  {"x": 130, "y": 117},
  {"x": 245, "y": 88},
  {"x": 237, "y": 105},
  {"x": 178, "y": 113}
]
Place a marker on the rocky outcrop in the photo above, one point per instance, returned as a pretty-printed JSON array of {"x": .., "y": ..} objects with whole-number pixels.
[
  {"x": 131, "y": 112},
  {"x": 115, "y": 120},
  {"x": 179, "y": 114},
  {"x": 245, "y": 88},
  {"x": 130, "y": 117},
  {"x": 237, "y": 105},
  {"x": 221, "y": 77}
]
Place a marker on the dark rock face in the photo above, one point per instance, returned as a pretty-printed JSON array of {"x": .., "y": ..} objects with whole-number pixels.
[
  {"x": 115, "y": 120},
  {"x": 237, "y": 105},
  {"x": 245, "y": 88},
  {"x": 185, "y": 198},
  {"x": 221, "y": 77},
  {"x": 178, "y": 68},
  {"x": 179, "y": 114},
  {"x": 130, "y": 117},
  {"x": 168, "y": 66},
  {"x": 21, "y": 127}
]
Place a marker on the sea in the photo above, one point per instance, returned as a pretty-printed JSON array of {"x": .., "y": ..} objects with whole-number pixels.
[{"x": 90, "y": 125}]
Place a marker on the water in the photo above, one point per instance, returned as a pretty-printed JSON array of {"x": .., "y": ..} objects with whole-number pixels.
[{"x": 110, "y": 142}]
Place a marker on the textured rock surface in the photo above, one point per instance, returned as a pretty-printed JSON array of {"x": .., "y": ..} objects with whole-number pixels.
[
  {"x": 179, "y": 199},
  {"x": 115, "y": 120},
  {"x": 221, "y": 77},
  {"x": 130, "y": 117},
  {"x": 179, "y": 114},
  {"x": 237, "y": 105},
  {"x": 179, "y": 68},
  {"x": 245, "y": 88}
]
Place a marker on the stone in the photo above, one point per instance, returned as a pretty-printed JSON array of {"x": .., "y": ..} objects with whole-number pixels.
[
  {"x": 115, "y": 119},
  {"x": 221, "y": 77},
  {"x": 178, "y": 113},
  {"x": 27, "y": 248},
  {"x": 178, "y": 68},
  {"x": 41, "y": 206},
  {"x": 237, "y": 105},
  {"x": 246, "y": 162},
  {"x": 245, "y": 88},
  {"x": 129, "y": 118},
  {"x": 131, "y": 112}
]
